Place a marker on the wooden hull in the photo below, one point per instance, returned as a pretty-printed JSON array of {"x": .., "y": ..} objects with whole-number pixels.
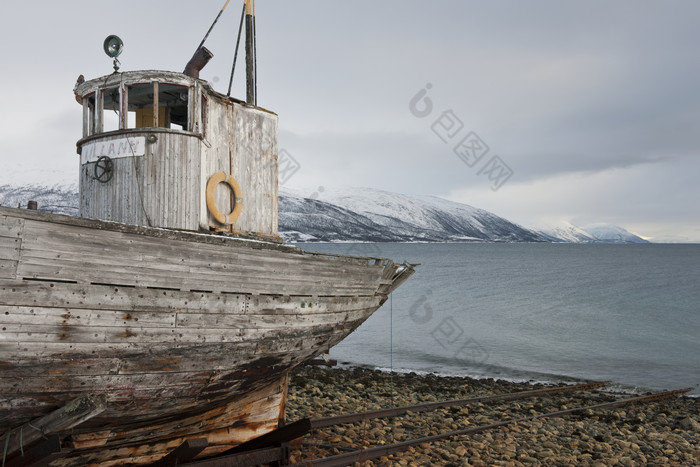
[{"x": 186, "y": 335}]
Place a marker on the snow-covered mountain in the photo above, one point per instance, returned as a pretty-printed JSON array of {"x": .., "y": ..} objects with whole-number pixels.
[
  {"x": 566, "y": 232},
  {"x": 57, "y": 199},
  {"x": 608, "y": 233},
  {"x": 368, "y": 215},
  {"x": 310, "y": 220},
  {"x": 593, "y": 233},
  {"x": 363, "y": 214}
]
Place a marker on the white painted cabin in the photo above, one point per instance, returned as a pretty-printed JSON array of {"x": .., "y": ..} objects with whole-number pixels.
[{"x": 161, "y": 161}]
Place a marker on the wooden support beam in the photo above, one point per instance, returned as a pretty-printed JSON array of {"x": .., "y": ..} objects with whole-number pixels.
[
  {"x": 39, "y": 454},
  {"x": 280, "y": 435},
  {"x": 244, "y": 459},
  {"x": 72, "y": 414},
  {"x": 124, "y": 107},
  {"x": 184, "y": 453},
  {"x": 156, "y": 106}
]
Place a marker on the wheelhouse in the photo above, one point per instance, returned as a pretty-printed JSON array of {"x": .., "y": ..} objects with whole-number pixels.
[{"x": 152, "y": 141}]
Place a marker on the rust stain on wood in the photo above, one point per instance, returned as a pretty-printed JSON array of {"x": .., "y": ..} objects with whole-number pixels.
[{"x": 126, "y": 334}]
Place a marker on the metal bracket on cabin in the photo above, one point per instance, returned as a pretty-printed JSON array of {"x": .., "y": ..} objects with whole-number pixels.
[{"x": 104, "y": 169}]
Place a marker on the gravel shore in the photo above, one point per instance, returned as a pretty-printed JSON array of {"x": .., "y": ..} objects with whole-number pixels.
[{"x": 657, "y": 433}]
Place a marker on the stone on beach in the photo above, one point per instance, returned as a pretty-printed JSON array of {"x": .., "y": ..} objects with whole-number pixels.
[{"x": 653, "y": 433}]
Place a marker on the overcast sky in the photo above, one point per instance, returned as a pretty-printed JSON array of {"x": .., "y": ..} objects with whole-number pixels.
[{"x": 585, "y": 112}]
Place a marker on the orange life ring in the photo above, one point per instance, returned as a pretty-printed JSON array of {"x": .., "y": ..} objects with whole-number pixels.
[{"x": 220, "y": 217}]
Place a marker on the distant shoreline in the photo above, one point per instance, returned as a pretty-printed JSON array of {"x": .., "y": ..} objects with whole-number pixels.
[{"x": 613, "y": 388}]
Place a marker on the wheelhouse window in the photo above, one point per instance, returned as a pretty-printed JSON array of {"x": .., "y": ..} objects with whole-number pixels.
[
  {"x": 204, "y": 117},
  {"x": 111, "y": 115},
  {"x": 88, "y": 115},
  {"x": 141, "y": 105},
  {"x": 175, "y": 99},
  {"x": 172, "y": 102},
  {"x": 142, "y": 101}
]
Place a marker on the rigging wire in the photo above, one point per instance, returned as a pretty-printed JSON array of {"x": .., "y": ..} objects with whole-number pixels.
[
  {"x": 235, "y": 55},
  {"x": 391, "y": 358},
  {"x": 391, "y": 345}
]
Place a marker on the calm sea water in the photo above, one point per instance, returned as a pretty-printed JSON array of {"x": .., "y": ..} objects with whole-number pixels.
[{"x": 629, "y": 314}]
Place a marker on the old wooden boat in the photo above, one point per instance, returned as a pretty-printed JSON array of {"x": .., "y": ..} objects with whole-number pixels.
[{"x": 169, "y": 310}]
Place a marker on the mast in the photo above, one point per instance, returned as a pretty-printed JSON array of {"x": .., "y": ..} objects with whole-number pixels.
[{"x": 250, "y": 65}]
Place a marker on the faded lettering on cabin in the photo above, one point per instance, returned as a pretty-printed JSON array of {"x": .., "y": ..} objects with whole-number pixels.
[{"x": 115, "y": 148}]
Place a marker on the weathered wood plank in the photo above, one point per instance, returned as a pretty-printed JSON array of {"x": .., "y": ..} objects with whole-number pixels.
[
  {"x": 117, "y": 298},
  {"x": 175, "y": 254},
  {"x": 239, "y": 283},
  {"x": 10, "y": 226},
  {"x": 9, "y": 248},
  {"x": 126, "y": 299},
  {"x": 94, "y": 359},
  {"x": 251, "y": 242},
  {"x": 28, "y": 333},
  {"x": 267, "y": 321},
  {"x": 8, "y": 269},
  {"x": 10, "y": 243},
  {"x": 65, "y": 418},
  {"x": 69, "y": 317},
  {"x": 175, "y": 265},
  {"x": 144, "y": 386},
  {"x": 234, "y": 268},
  {"x": 258, "y": 331},
  {"x": 87, "y": 364}
]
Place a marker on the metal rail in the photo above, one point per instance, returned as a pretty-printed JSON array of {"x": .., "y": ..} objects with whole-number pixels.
[
  {"x": 379, "y": 451},
  {"x": 398, "y": 411},
  {"x": 305, "y": 425}
]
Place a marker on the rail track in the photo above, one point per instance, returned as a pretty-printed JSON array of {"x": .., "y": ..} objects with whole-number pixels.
[{"x": 273, "y": 448}]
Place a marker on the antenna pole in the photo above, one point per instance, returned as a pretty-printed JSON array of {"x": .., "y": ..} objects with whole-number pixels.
[{"x": 251, "y": 72}]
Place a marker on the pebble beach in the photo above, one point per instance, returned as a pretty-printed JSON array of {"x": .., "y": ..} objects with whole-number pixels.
[{"x": 665, "y": 432}]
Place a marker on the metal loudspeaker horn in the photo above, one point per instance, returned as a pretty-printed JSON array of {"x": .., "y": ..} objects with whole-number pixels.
[{"x": 113, "y": 46}]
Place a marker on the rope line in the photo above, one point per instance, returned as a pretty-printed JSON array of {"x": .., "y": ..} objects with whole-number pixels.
[
  {"x": 43, "y": 433},
  {"x": 7, "y": 444}
]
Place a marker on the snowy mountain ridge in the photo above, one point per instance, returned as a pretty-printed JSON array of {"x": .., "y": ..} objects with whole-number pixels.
[
  {"x": 368, "y": 215},
  {"x": 608, "y": 233},
  {"x": 386, "y": 216},
  {"x": 59, "y": 199},
  {"x": 592, "y": 233},
  {"x": 567, "y": 232}
]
